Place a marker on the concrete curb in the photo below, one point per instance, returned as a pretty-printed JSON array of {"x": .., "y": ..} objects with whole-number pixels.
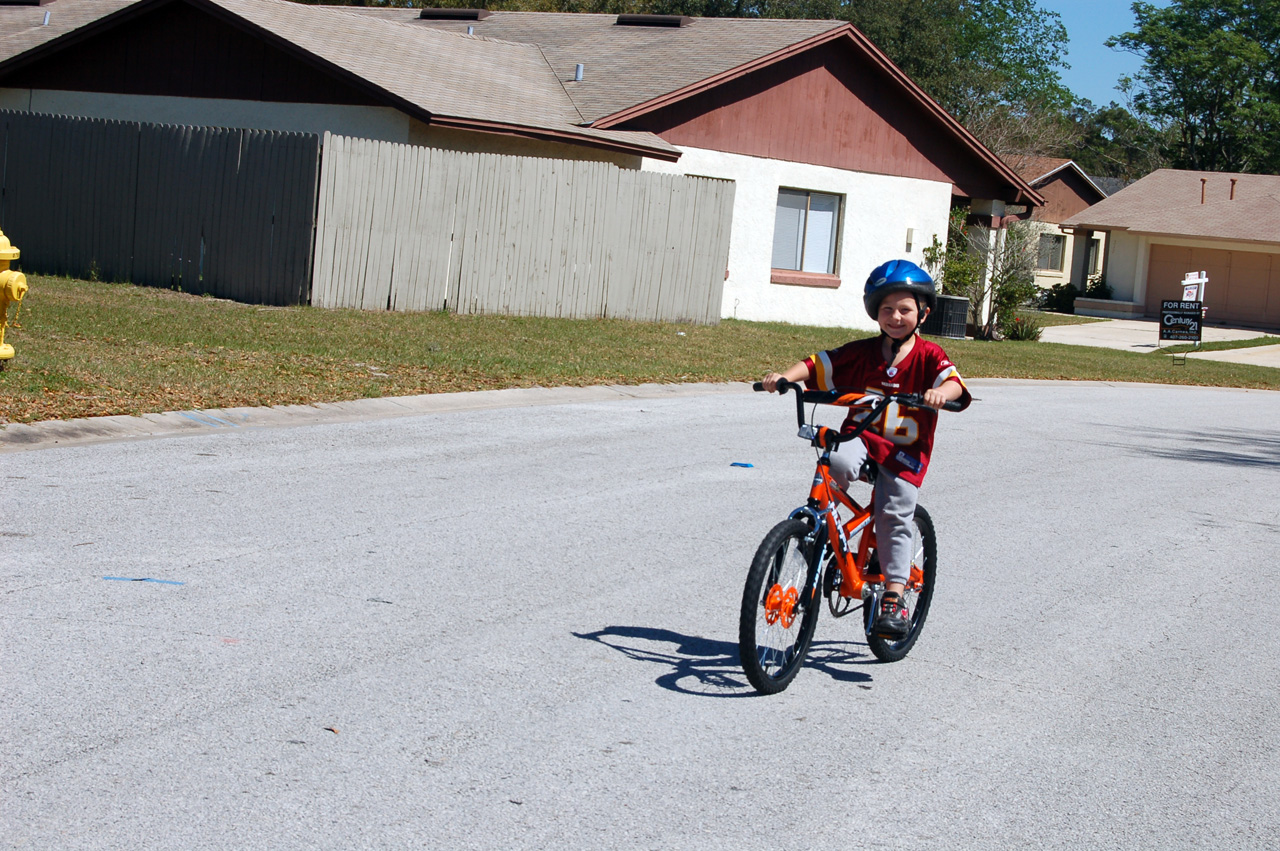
[{"x": 19, "y": 437}]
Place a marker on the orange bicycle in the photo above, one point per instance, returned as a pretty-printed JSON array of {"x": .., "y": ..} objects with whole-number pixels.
[{"x": 826, "y": 548}]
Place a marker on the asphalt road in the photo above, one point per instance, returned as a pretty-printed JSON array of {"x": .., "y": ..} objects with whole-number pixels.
[{"x": 516, "y": 628}]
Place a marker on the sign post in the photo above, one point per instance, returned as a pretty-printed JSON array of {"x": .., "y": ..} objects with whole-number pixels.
[{"x": 1193, "y": 284}]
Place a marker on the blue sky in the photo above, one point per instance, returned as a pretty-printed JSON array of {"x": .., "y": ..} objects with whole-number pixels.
[{"x": 1095, "y": 68}]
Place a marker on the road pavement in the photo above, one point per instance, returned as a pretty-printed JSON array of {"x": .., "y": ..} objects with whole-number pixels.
[{"x": 515, "y": 627}]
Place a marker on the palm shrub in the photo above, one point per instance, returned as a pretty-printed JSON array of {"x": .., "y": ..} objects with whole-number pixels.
[{"x": 1021, "y": 326}]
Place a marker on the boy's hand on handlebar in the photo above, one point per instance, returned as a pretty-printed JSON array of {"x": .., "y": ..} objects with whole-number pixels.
[
  {"x": 935, "y": 399},
  {"x": 771, "y": 380},
  {"x": 939, "y": 396}
]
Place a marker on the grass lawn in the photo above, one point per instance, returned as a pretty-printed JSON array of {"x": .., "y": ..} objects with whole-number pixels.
[
  {"x": 1048, "y": 318},
  {"x": 91, "y": 349}
]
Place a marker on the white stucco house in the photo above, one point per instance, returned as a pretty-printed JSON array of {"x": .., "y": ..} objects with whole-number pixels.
[{"x": 840, "y": 161}]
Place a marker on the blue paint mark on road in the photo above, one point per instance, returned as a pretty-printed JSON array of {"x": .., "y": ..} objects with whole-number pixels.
[
  {"x": 142, "y": 579},
  {"x": 741, "y": 464}
]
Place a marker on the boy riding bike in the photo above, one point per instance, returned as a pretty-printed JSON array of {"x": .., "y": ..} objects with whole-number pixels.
[{"x": 898, "y": 295}]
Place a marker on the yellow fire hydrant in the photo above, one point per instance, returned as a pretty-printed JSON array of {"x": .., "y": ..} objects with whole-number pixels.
[{"x": 13, "y": 286}]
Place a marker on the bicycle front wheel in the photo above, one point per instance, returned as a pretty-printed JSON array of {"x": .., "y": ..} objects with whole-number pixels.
[
  {"x": 778, "y": 615},
  {"x": 919, "y": 593}
]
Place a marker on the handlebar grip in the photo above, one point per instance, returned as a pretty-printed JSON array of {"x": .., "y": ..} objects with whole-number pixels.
[
  {"x": 915, "y": 400},
  {"x": 782, "y": 387}
]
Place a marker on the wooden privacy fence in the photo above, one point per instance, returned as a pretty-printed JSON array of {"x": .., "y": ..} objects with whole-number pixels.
[
  {"x": 409, "y": 228},
  {"x": 207, "y": 209}
]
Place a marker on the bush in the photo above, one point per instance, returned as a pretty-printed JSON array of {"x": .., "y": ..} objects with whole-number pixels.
[
  {"x": 1097, "y": 287},
  {"x": 1059, "y": 298},
  {"x": 1022, "y": 327}
]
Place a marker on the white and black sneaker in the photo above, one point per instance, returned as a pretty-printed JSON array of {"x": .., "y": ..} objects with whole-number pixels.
[{"x": 893, "y": 620}]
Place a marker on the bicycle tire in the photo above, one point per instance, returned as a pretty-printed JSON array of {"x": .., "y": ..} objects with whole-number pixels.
[
  {"x": 772, "y": 653},
  {"x": 926, "y": 558}
]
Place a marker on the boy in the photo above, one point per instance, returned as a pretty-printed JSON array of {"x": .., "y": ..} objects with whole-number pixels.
[{"x": 898, "y": 295}]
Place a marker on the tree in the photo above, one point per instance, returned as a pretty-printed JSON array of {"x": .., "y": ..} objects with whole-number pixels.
[
  {"x": 1008, "y": 256},
  {"x": 1211, "y": 76},
  {"x": 1114, "y": 142}
]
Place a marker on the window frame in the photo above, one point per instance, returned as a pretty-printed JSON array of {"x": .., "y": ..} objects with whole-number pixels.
[
  {"x": 1094, "y": 256},
  {"x": 1060, "y": 242},
  {"x": 799, "y": 277}
]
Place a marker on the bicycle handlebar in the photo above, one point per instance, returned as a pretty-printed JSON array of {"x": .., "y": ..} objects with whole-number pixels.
[{"x": 829, "y": 397}]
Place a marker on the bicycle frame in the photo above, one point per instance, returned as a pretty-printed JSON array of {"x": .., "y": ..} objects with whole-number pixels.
[{"x": 826, "y": 498}]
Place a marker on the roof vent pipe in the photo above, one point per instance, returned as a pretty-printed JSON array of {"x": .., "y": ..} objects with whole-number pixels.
[
  {"x": 1203, "y": 181},
  {"x": 46, "y": 18},
  {"x": 471, "y": 30},
  {"x": 577, "y": 72},
  {"x": 1233, "y": 189}
]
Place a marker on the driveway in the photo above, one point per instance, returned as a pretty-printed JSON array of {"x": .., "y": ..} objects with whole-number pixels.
[
  {"x": 516, "y": 627},
  {"x": 1143, "y": 335}
]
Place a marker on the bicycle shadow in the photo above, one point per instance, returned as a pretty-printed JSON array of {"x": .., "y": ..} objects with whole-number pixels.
[{"x": 710, "y": 668}]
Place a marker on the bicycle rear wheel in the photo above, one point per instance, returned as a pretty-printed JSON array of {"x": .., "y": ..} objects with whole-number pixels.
[
  {"x": 778, "y": 616},
  {"x": 918, "y": 596}
]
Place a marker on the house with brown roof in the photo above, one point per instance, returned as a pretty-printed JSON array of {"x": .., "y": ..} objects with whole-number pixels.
[
  {"x": 1173, "y": 222},
  {"x": 1062, "y": 257},
  {"x": 840, "y": 160}
]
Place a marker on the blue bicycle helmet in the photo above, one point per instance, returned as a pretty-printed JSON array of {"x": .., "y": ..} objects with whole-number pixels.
[{"x": 897, "y": 276}]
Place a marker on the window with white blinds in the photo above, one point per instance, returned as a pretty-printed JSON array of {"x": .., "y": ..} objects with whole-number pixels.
[{"x": 805, "y": 231}]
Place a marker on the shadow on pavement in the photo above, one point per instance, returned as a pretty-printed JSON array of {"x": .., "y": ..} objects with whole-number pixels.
[
  {"x": 710, "y": 668},
  {"x": 1234, "y": 447}
]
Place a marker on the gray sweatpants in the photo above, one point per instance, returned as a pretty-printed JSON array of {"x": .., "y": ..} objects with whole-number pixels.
[{"x": 895, "y": 509}]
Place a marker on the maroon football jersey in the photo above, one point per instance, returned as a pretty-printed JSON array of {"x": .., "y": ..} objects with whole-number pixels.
[{"x": 902, "y": 438}]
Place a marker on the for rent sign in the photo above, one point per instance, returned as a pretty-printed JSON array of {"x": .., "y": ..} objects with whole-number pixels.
[{"x": 1180, "y": 321}]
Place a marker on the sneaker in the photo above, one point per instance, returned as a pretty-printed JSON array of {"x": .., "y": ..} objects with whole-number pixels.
[{"x": 893, "y": 620}]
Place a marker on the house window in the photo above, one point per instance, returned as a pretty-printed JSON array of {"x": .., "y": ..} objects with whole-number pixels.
[
  {"x": 1095, "y": 246},
  {"x": 1051, "y": 245},
  {"x": 805, "y": 231}
]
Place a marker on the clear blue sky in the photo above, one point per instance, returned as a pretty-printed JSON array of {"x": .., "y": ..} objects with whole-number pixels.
[{"x": 1095, "y": 68}]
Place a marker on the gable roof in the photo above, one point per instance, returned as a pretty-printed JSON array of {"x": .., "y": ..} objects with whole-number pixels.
[
  {"x": 1173, "y": 202},
  {"x": 445, "y": 79},
  {"x": 515, "y": 74},
  {"x": 629, "y": 65},
  {"x": 1038, "y": 171},
  {"x": 631, "y": 71}
]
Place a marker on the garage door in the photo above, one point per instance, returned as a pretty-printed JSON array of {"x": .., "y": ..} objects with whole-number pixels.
[{"x": 1244, "y": 286}]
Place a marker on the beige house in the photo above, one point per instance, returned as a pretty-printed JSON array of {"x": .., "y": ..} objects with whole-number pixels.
[
  {"x": 1172, "y": 222},
  {"x": 1063, "y": 256}
]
